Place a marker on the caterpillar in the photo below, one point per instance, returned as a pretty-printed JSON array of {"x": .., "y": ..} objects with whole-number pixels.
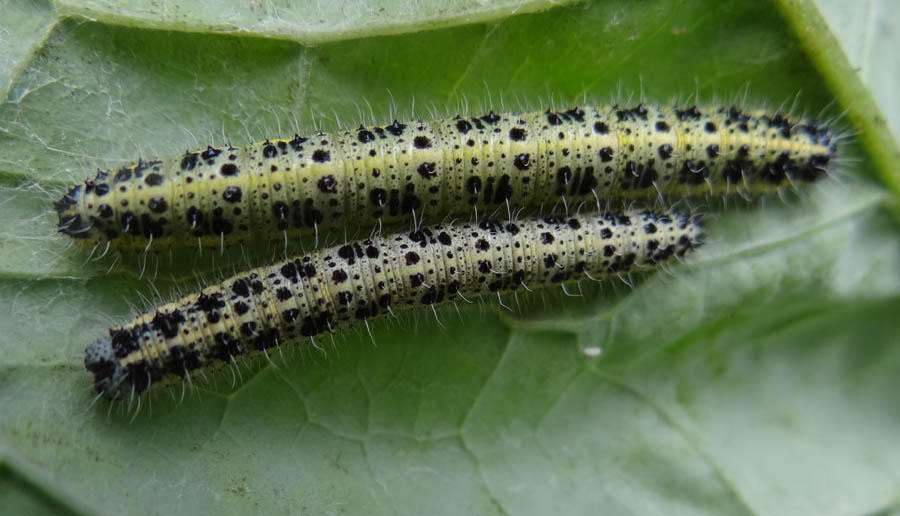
[
  {"x": 461, "y": 166},
  {"x": 329, "y": 288}
]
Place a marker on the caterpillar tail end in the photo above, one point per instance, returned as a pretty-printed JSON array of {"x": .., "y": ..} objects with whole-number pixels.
[
  {"x": 697, "y": 233},
  {"x": 71, "y": 222},
  {"x": 109, "y": 376},
  {"x": 693, "y": 238}
]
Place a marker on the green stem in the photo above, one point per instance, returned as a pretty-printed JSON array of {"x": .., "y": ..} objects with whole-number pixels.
[{"x": 863, "y": 112}]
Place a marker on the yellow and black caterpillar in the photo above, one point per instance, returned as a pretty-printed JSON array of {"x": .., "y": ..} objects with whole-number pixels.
[
  {"x": 331, "y": 287},
  {"x": 460, "y": 166}
]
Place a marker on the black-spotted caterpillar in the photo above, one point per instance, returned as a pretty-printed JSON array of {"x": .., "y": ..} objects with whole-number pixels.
[
  {"x": 461, "y": 166},
  {"x": 331, "y": 287}
]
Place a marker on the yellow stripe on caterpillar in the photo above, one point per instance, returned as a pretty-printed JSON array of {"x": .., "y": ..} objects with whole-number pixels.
[{"x": 329, "y": 288}]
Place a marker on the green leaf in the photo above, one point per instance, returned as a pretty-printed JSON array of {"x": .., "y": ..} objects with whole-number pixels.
[{"x": 761, "y": 377}]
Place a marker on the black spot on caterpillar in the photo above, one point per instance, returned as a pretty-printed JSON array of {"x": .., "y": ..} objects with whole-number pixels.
[
  {"x": 455, "y": 166},
  {"x": 332, "y": 287}
]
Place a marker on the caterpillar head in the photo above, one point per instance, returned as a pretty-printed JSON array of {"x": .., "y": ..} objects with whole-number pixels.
[{"x": 109, "y": 375}]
